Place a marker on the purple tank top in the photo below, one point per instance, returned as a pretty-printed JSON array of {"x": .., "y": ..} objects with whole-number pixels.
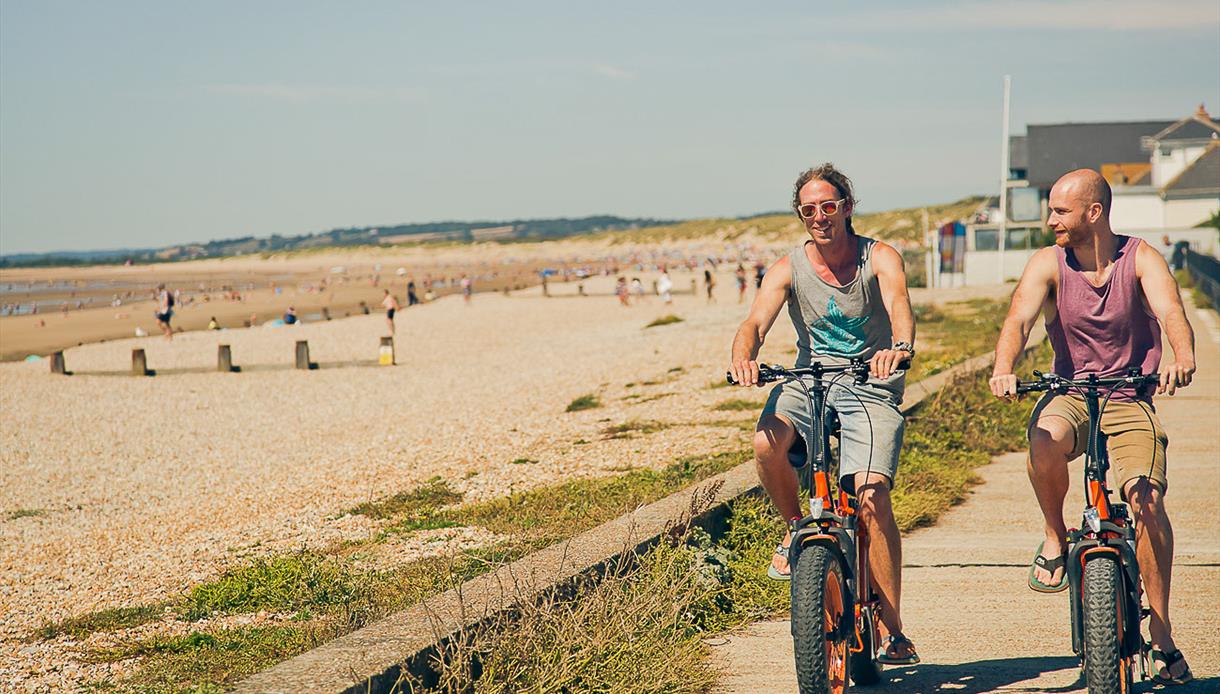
[{"x": 1103, "y": 330}]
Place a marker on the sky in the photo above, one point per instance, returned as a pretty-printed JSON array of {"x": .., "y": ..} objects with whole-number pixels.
[{"x": 146, "y": 124}]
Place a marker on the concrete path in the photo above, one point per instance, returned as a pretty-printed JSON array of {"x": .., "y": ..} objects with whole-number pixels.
[{"x": 978, "y": 627}]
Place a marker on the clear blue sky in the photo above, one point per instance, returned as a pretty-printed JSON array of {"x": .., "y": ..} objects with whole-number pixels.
[{"x": 126, "y": 124}]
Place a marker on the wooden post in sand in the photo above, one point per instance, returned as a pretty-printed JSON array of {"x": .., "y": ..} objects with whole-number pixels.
[
  {"x": 385, "y": 355},
  {"x": 57, "y": 363},
  {"x": 224, "y": 359},
  {"x": 139, "y": 363},
  {"x": 302, "y": 354}
]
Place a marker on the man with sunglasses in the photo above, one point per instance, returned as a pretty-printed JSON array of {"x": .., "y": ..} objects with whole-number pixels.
[
  {"x": 1105, "y": 298},
  {"x": 847, "y": 298}
]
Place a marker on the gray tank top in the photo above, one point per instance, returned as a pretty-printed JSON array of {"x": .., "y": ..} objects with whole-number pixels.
[{"x": 835, "y": 324}]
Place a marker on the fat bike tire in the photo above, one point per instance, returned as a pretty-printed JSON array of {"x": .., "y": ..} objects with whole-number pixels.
[
  {"x": 863, "y": 666},
  {"x": 1105, "y": 670},
  {"x": 818, "y": 598}
]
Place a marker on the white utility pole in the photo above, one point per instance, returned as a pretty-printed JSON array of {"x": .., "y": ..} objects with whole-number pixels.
[{"x": 1003, "y": 240}]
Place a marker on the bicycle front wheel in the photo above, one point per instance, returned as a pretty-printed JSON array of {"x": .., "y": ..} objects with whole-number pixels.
[
  {"x": 818, "y": 614},
  {"x": 1102, "y": 603}
]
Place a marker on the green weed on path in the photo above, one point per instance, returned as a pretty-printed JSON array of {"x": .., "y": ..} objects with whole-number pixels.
[
  {"x": 584, "y": 402},
  {"x": 664, "y": 320}
]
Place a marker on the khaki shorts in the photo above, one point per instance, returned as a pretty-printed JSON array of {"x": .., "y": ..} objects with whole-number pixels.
[{"x": 1136, "y": 439}]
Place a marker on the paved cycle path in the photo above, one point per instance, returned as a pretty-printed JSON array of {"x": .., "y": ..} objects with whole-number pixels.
[{"x": 978, "y": 627}]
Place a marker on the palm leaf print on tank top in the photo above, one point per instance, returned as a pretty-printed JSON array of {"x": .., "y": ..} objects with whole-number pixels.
[{"x": 836, "y": 333}]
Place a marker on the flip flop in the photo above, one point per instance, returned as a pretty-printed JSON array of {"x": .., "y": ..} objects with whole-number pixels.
[
  {"x": 1050, "y": 566},
  {"x": 1168, "y": 660},
  {"x": 773, "y": 573},
  {"x": 883, "y": 653}
]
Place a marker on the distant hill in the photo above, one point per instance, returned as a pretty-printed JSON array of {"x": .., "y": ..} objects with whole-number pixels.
[
  {"x": 515, "y": 230},
  {"x": 904, "y": 225}
]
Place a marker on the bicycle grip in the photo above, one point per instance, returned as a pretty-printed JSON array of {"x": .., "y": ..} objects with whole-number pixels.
[{"x": 728, "y": 376}]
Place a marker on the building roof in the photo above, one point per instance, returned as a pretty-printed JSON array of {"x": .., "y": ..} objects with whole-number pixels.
[
  {"x": 1197, "y": 126},
  {"x": 1202, "y": 177},
  {"x": 1056, "y": 149}
]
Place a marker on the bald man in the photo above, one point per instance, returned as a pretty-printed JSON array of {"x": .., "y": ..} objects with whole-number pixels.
[{"x": 1106, "y": 298}]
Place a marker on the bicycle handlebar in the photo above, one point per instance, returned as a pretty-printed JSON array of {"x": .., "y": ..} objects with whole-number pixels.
[
  {"x": 769, "y": 373},
  {"x": 1045, "y": 382}
]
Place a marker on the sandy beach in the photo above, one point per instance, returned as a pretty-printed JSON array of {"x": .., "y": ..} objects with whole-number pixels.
[{"x": 142, "y": 487}]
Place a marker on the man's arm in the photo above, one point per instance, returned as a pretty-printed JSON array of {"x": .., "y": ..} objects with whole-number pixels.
[
  {"x": 1027, "y": 302},
  {"x": 1165, "y": 301},
  {"x": 767, "y": 302},
  {"x": 892, "y": 278}
]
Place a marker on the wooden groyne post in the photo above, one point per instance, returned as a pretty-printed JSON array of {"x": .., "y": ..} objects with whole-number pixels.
[
  {"x": 303, "y": 355},
  {"x": 57, "y": 363},
  {"x": 224, "y": 359},
  {"x": 385, "y": 354},
  {"x": 139, "y": 363}
]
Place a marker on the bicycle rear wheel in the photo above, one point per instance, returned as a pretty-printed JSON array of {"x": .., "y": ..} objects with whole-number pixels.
[
  {"x": 817, "y": 618},
  {"x": 1105, "y": 670}
]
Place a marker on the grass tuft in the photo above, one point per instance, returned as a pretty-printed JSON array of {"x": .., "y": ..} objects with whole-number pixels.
[
  {"x": 434, "y": 494},
  {"x": 205, "y": 662},
  {"x": 627, "y": 430},
  {"x": 522, "y": 461},
  {"x": 664, "y": 320},
  {"x": 584, "y": 402},
  {"x": 103, "y": 620},
  {"x": 284, "y": 583},
  {"x": 27, "y": 513},
  {"x": 737, "y": 405}
]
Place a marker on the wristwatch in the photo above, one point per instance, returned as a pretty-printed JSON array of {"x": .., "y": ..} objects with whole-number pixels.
[{"x": 905, "y": 347}]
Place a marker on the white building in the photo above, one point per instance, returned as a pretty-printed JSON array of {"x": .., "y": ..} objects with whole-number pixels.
[{"x": 1180, "y": 188}]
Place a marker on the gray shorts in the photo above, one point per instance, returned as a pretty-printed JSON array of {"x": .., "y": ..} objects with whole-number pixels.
[{"x": 872, "y": 426}]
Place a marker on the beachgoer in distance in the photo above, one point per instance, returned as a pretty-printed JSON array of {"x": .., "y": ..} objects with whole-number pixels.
[
  {"x": 1105, "y": 299},
  {"x": 709, "y": 283},
  {"x": 620, "y": 290},
  {"x": 467, "y": 288},
  {"x": 390, "y": 304},
  {"x": 290, "y": 316},
  {"x": 665, "y": 286},
  {"x": 741, "y": 282},
  {"x": 637, "y": 288},
  {"x": 164, "y": 311},
  {"x": 847, "y": 298},
  {"x": 412, "y": 299},
  {"x": 213, "y": 324}
]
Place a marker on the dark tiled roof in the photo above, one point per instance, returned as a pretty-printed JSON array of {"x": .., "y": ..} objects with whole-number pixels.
[
  {"x": 1201, "y": 177},
  {"x": 1192, "y": 128},
  {"x": 1054, "y": 150}
]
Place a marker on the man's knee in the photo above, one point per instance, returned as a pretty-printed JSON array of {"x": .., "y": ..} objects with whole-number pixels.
[
  {"x": 873, "y": 501},
  {"x": 1050, "y": 438},
  {"x": 1146, "y": 501},
  {"x": 773, "y": 438}
]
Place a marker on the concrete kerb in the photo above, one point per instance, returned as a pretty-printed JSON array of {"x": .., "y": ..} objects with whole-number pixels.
[{"x": 373, "y": 658}]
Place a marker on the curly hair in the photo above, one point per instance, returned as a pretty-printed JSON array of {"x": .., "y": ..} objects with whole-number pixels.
[{"x": 826, "y": 172}]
